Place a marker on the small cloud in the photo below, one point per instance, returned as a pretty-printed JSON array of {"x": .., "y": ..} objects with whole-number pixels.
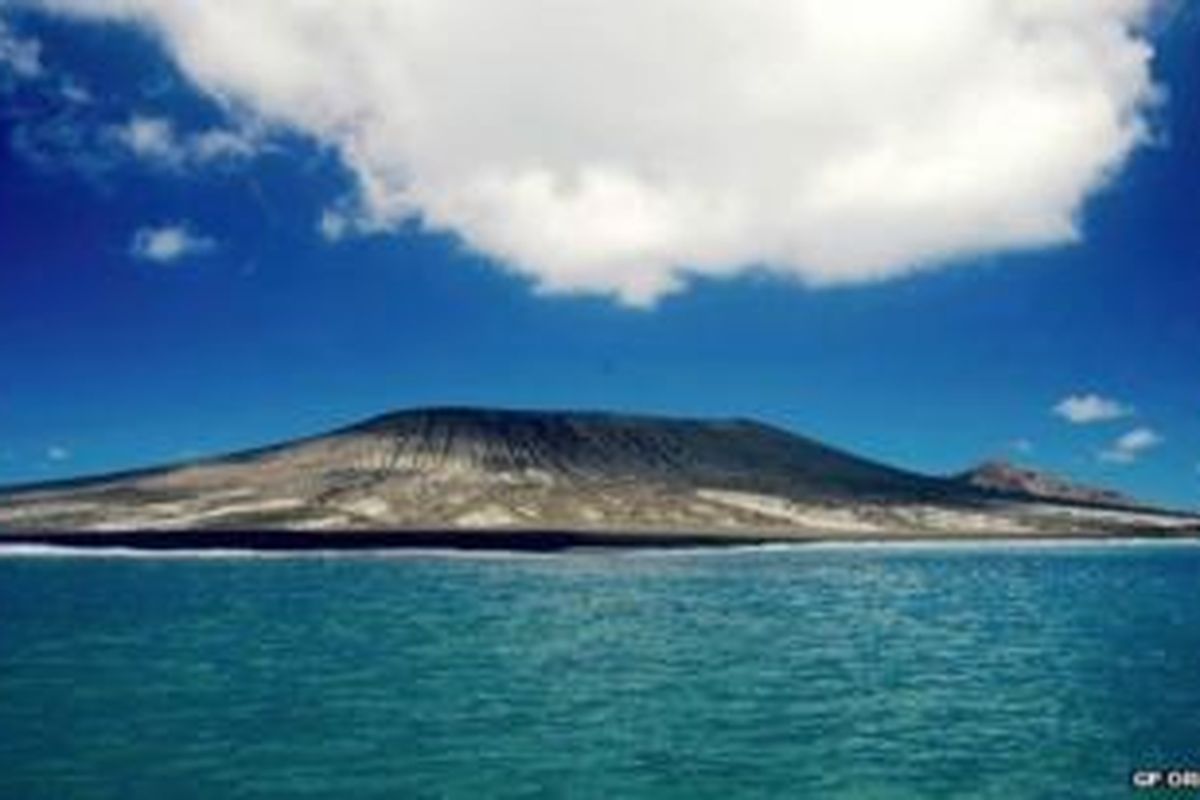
[
  {"x": 222, "y": 143},
  {"x": 334, "y": 225},
  {"x": 1021, "y": 446},
  {"x": 343, "y": 220},
  {"x": 1128, "y": 448},
  {"x": 1085, "y": 409},
  {"x": 151, "y": 138},
  {"x": 168, "y": 244},
  {"x": 58, "y": 453},
  {"x": 74, "y": 92},
  {"x": 62, "y": 142},
  {"x": 155, "y": 140},
  {"x": 51, "y": 116},
  {"x": 22, "y": 56}
]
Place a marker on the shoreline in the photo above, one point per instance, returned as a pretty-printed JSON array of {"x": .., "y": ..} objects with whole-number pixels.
[
  {"x": 541, "y": 540},
  {"x": 522, "y": 540}
]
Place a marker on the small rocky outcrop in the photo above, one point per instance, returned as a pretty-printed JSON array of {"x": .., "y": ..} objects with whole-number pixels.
[{"x": 1009, "y": 479}]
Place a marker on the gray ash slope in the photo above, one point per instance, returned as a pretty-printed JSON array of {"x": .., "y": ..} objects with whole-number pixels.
[{"x": 481, "y": 469}]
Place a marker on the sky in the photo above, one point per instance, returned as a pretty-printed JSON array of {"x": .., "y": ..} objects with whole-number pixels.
[{"x": 932, "y": 232}]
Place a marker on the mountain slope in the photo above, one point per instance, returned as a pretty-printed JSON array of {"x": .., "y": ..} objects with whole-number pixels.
[{"x": 468, "y": 469}]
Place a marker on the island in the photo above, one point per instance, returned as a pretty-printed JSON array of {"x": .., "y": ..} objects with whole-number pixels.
[{"x": 548, "y": 480}]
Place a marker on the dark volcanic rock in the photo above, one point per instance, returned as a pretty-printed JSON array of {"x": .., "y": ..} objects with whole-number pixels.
[{"x": 600, "y": 446}]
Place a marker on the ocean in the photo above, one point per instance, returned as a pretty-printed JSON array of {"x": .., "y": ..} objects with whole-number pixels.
[{"x": 815, "y": 671}]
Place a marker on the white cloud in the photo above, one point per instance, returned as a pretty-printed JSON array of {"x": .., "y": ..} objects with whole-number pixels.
[
  {"x": 21, "y": 55},
  {"x": 218, "y": 143},
  {"x": 335, "y": 224},
  {"x": 1128, "y": 448},
  {"x": 342, "y": 220},
  {"x": 151, "y": 138},
  {"x": 169, "y": 244},
  {"x": 58, "y": 453},
  {"x": 74, "y": 92},
  {"x": 620, "y": 145},
  {"x": 1085, "y": 409},
  {"x": 1022, "y": 447},
  {"x": 155, "y": 139}
]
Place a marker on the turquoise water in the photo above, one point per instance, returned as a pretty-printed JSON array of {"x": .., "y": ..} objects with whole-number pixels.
[{"x": 810, "y": 672}]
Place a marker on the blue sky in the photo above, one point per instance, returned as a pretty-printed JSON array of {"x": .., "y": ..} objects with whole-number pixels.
[{"x": 168, "y": 289}]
